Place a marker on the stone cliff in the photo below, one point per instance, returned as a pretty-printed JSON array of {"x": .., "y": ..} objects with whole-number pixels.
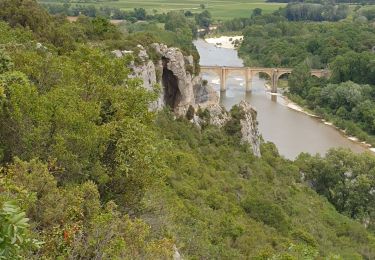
[
  {"x": 186, "y": 93},
  {"x": 249, "y": 127},
  {"x": 175, "y": 73}
]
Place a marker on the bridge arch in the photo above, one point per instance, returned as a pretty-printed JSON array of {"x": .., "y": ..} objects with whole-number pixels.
[
  {"x": 216, "y": 73},
  {"x": 266, "y": 75},
  {"x": 255, "y": 72},
  {"x": 282, "y": 74},
  {"x": 235, "y": 74}
]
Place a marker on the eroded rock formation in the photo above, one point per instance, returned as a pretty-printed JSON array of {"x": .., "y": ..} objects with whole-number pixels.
[
  {"x": 174, "y": 72},
  {"x": 183, "y": 91},
  {"x": 249, "y": 127}
]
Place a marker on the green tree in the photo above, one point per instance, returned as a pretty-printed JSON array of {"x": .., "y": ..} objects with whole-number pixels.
[
  {"x": 298, "y": 80},
  {"x": 256, "y": 12},
  {"x": 27, "y": 13},
  {"x": 345, "y": 179},
  {"x": 176, "y": 21},
  {"x": 203, "y": 19},
  {"x": 15, "y": 240},
  {"x": 353, "y": 66},
  {"x": 5, "y": 62}
]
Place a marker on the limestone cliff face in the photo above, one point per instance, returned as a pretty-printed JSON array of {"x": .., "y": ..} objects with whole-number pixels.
[
  {"x": 249, "y": 127},
  {"x": 176, "y": 80},
  {"x": 148, "y": 72},
  {"x": 173, "y": 71}
]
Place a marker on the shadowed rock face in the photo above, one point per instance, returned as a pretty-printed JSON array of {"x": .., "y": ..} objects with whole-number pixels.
[
  {"x": 172, "y": 94},
  {"x": 180, "y": 88}
]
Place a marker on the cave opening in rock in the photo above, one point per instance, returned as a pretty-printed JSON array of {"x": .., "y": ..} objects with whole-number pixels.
[{"x": 172, "y": 94}]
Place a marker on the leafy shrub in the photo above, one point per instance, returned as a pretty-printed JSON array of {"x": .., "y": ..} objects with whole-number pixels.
[
  {"x": 233, "y": 126},
  {"x": 190, "y": 112},
  {"x": 15, "y": 240},
  {"x": 266, "y": 212}
]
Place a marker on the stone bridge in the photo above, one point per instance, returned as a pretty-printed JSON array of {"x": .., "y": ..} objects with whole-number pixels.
[{"x": 249, "y": 72}]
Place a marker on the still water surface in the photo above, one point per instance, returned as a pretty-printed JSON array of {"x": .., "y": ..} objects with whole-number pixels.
[{"x": 291, "y": 131}]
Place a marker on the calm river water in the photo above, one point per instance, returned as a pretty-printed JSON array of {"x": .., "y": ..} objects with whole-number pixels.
[{"x": 293, "y": 132}]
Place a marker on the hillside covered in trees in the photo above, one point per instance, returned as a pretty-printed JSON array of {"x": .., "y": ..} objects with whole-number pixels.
[{"x": 88, "y": 171}]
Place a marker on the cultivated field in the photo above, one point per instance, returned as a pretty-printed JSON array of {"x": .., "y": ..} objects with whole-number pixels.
[{"x": 220, "y": 9}]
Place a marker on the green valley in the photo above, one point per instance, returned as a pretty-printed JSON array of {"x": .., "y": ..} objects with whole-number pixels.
[{"x": 112, "y": 146}]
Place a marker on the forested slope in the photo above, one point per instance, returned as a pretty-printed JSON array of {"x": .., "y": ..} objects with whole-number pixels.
[{"x": 88, "y": 171}]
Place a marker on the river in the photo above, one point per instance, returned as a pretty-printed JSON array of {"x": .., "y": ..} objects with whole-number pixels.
[{"x": 291, "y": 131}]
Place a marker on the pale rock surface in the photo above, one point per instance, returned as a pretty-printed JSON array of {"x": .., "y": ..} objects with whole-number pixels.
[
  {"x": 191, "y": 91},
  {"x": 218, "y": 115},
  {"x": 175, "y": 62},
  {"x": 176, "y": 255},
  {"x": 204, "y": 94},
  {"x": 249, "y": 127}
]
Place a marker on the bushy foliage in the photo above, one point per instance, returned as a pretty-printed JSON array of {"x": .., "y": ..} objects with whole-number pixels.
[
  {"x": 79, "y": 227},
  {"x": 238, "y": 206},
  {"x": 14, "y": 235},
  {"x": 287, "y": 44},
  {"x": 315, "y": 12},
  {"x": 346, "y": 179},
  {"x": 348, "y": 105}
]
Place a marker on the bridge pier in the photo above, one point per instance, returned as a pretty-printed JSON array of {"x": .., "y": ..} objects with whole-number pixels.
[
  {"x": 274, "y": 80},
  {"x": 223, "y": 79},
  {"x": 248, "y": 80}
]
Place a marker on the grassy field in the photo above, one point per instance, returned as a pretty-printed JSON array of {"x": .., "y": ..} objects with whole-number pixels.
[{"x": 220, "y": 9}]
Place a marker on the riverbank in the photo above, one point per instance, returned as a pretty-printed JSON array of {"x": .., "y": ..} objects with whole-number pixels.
[
  {"x": 296, "y": 107},
  {"x": 228, "y": 42},
  {"x": 292, "y": 105}
]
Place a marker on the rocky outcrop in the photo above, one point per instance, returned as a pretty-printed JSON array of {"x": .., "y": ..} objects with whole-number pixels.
[
  {"x": 174, "y": 73},
  {"x": 249, "y": 127},
  {"x": 186, "y": 93},
  {"x": 204, "y": 93},
  {"x": 246, "y": 117},
  {"x": 177, "y": 81}
]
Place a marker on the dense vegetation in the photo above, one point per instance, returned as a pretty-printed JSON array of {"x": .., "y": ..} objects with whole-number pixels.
[
  {"x": 138, "y": 14},
  {"x": 287, "y": 44},
  {"x": 202, "y": 19},
  {"x": 236, "y": 205},
  {"x": 89, "y": 172},
  {"x": 300, "y": 11},
  {"x": 338, "y": 177},
  {"x": 315, "y": 12}
]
